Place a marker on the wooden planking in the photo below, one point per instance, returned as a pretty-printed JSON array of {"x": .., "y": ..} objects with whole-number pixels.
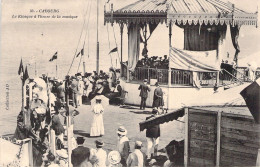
[
  {"x": 202, "y": 144},
  {"x": 202, "y": 153},
  {"x": 238, "y": 148},
  {"x": 202, "y": 135},
  {"x": 237, "y": 160},
  {"x": 231, "y": 153},
  {"x": 248, "y": 136},
  {"x": 206, "y": 128},
  {"x": 241, "y": 124},
  {"x": 240, "y": 142},
  {"x": 200, "y": 162},
  {"x": 239, "y": 120},
  {"x": 203, "y": 118}
]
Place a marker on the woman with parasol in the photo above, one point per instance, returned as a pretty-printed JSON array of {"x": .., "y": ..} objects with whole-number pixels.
[{"x": 97, "y": 126}]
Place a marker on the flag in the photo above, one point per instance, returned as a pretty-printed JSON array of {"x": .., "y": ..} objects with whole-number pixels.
[
  {"x": 26, "y": 75},
  {"x": 20, "y": 67},
  {"x": 251, "y": 95},
  {"x": 55, "y": 56},
  {"x": 113, "y": 50},
  {"x": 81, "y": 52}
]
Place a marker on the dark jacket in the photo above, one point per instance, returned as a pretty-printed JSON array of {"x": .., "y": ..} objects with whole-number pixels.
[
  {"x": 158, "y": 97},
  {"x": 56, "y": 125},
  {"x": 154, "y": 130},
  {"x": 61, "y": 91},
  {"x": 144, "y": 89},
  {"x": 79, "y": 155}
]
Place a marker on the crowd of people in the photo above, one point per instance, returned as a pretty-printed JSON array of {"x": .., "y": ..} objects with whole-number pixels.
[
  {"x": 49, "y": 104},
  {"x": 154, "y": 62}
]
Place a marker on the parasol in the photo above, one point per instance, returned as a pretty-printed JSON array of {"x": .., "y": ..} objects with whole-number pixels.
[
  {"x": 40, "y": 83},
  {"x": 104, "y": 101}
]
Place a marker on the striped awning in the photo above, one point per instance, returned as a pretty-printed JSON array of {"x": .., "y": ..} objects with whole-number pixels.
[
  {"x": 181, "y": 12},
  {"x": 198, "y": 61}
]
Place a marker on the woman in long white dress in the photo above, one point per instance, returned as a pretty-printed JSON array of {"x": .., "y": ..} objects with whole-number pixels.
[{"x": 97, "y": 126}]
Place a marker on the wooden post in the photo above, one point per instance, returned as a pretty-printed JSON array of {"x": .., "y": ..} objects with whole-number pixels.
[
  {"x": 217, "y": 81},
  {"x": 258, "y": 158},
  {"x": 53, "y": 142},
  {"x": 68, "y": 122},
  {"x": 30, "y": 152},
  {"x": 218, "y": 139},
  {"x": 186, "y": 140},
  {"x": 121, "y": 61},
  {"x": 169, "y": 68},
  {"x": 127, "y": 74},
  {"x": 170, "y": 45}
]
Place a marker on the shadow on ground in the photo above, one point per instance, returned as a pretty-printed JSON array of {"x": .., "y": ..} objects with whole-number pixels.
[
  {"x": 81, "y": 133},
  {"x": 142, "y": 112}
]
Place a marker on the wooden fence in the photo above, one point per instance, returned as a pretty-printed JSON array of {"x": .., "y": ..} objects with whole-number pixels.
[{"x": 220, "y": 139}]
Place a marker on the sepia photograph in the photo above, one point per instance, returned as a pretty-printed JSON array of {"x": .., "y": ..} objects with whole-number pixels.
[{"x": 129, "y": 83}]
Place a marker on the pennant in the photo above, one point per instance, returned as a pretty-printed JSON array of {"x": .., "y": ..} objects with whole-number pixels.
[
  {"x": 26, "y": 75},
  {"x": 251, "y": 95},
  {"x": 113, "y": 50},
  {"x": 55, "y": 56},
  {"x": 20, "y": 67},
  {"x": 81, "y": 52}
]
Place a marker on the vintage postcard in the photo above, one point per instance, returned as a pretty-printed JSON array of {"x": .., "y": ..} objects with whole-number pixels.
[{"x": 129, "y": 83}]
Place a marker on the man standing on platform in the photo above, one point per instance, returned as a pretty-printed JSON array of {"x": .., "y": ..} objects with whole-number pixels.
[{"x": 144, "y": 89}]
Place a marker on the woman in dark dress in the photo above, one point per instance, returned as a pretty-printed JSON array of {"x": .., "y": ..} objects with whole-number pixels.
[{"x": 158, "y": 96}]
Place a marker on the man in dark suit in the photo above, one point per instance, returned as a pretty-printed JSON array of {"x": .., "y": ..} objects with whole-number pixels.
[
  {"x": 152, "y": 136},
  {"x": 144, "y": 89},
  {"x": 81, "y": 154}
]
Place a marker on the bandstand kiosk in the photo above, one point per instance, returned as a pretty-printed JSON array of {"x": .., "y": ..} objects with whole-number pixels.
[{"x": 192, "y": 70}]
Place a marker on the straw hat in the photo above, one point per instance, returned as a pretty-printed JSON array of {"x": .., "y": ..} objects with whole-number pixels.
[
  {"x": 139, "y": 143},
  {"x": 114, "y": 157},
  {"x": 122, "y": 131}
]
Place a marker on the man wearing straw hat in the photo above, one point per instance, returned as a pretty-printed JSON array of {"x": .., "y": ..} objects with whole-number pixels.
[
  {"x": 137, "y": 157},
  {"x": 123, "y": 144}
]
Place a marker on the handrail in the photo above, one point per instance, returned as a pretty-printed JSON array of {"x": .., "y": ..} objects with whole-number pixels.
[
  {"x": 243, "y": 75},
  {"x": 232, "y": 75}
]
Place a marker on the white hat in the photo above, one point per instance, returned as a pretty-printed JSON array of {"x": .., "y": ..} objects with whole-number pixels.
[
  {"x": 122, "y": 130},
  {"x": 139, "y": 143},
  {"x": 114, "y": 157},
  {"x": 40, "y": 110},
  {"x": 62, "y": 153}
]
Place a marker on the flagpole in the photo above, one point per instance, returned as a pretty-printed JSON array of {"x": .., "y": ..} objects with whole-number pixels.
[
  {"x": 97, "y": 67},
  {"x": 84, "y": 65},
  {"x": 57, "y": 67}
]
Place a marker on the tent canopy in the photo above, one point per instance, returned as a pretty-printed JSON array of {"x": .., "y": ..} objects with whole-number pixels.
[{"x": 181, "y": 12}]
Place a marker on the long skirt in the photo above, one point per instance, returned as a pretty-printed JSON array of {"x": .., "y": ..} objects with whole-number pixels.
[{"x": 97, "y": 126}]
